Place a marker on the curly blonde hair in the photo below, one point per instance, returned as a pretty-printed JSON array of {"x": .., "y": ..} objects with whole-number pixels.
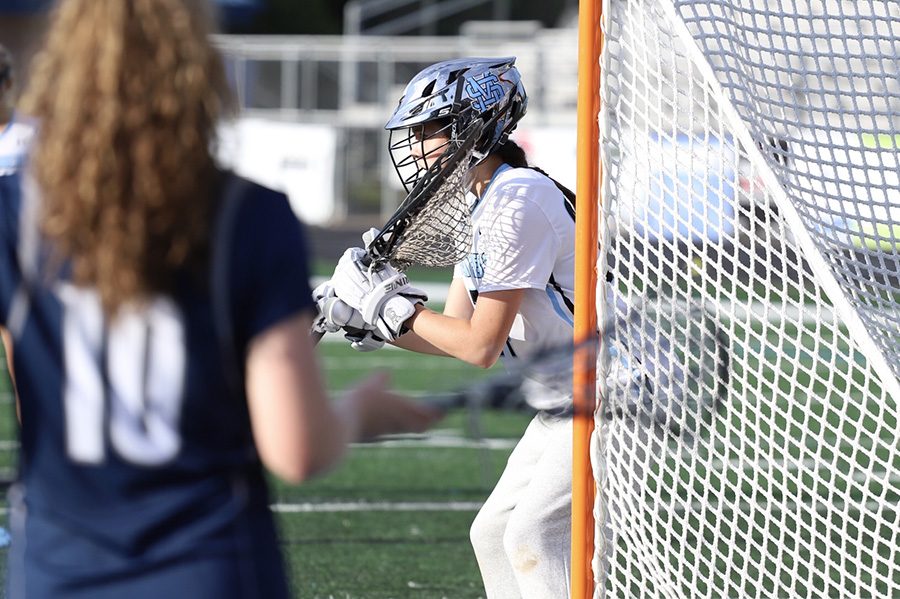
[{"x": 128, "y": 96}]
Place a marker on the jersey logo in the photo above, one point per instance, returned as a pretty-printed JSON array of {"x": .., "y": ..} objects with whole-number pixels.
[{"x": 473, "y": 267}]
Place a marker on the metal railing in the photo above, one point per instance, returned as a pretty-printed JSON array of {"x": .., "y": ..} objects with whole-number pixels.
[
  {"x": 373, "y": 17},
  {"x": 353, "y": 83}
]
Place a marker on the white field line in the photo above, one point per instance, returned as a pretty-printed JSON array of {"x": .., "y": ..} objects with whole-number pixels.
[
  {"x": 376, "y": 506},
  {"x": 338, "y": 507},
  {"x": 440, "y": 440}
]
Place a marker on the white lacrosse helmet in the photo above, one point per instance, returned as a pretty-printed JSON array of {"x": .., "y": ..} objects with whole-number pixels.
[{"x": 454, "y": 93}]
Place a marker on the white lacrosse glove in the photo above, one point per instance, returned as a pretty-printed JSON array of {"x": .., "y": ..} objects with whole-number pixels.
[
  {"x": 364, "y": 340},
  {"x": 384, "y": 296},
  {"x": 320, "y": 295},
  {"x": 369, "y": 236},
  {"x": 334, "y": 315}
]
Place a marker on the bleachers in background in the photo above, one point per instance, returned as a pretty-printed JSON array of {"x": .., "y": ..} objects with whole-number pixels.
[{"x": 353, "y": 83}]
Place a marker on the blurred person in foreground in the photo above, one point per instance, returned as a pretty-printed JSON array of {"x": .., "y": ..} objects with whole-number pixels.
[{"x": 161, "y": 313}]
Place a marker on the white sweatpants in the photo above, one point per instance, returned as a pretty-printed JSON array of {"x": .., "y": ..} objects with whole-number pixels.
[{"x": 522, "y": 534}]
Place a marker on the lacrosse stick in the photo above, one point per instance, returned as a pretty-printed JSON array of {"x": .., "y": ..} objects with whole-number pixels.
[
  {"x": 665, "y": 364},
  {"x": 432, "y": 226}
]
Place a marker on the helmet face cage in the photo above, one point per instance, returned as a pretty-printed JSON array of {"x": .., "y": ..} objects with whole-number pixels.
[
  {"x": 448, "y": 97},
  {"x": 410, "y": 153}
]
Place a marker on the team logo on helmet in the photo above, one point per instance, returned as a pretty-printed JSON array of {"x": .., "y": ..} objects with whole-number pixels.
[
  {"x": 485, "y": 91},
  {"x": 457, "y": 92}
]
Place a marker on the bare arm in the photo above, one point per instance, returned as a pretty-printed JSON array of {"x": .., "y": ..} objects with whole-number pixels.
[
  {"x": 458, "y": 305},
  {"x": 298, "y": 432},
  {"x": 477, "y": 339}
]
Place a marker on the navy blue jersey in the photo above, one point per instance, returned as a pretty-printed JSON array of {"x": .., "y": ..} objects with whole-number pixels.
[{"x": 136, "y": 446}]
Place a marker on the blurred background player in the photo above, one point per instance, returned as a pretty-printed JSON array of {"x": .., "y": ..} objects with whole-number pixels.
[
  {"x": 15, "y": 140},
  {"x": 15, "y": 135},
  {"x": 511, "y": 296},
  {"x": 162, "y": 349}
]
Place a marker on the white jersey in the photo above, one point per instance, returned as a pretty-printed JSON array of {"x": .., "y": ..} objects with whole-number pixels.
[
  {"x": 524, "y": 238},
  {"x": 15, "y": 141}
]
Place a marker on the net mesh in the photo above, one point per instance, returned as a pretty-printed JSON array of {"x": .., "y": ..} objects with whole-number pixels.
[
  {"x": 669, "y": 383},
  {"x": 440, "y": 234},
  {"x": 750, "y": 152}
]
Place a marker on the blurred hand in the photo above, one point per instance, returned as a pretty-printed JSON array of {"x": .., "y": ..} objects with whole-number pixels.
[{"x": 381, "y": 411}]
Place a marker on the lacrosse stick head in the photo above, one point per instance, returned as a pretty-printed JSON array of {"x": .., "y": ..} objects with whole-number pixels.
[
  {"x": 433, "y": 225},
  {"x": 440, "y": 105}
]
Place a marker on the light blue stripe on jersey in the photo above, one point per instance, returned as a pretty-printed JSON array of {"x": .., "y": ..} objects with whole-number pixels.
[{"x": 554, "y": 301}]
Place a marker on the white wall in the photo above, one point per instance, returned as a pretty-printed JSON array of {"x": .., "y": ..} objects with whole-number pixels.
[{"x": 296, "y": 158}]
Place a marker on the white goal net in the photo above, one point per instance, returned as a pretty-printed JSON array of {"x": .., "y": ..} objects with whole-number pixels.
[{"x": 748, "y": 443}]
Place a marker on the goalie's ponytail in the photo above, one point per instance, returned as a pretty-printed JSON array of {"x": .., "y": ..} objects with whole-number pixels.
[{"x": 512, "y": 154}]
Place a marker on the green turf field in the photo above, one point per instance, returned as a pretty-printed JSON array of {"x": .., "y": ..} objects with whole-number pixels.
[
  {"x": 8, "y": 446},
  {"x": 393, "y": 520}
]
